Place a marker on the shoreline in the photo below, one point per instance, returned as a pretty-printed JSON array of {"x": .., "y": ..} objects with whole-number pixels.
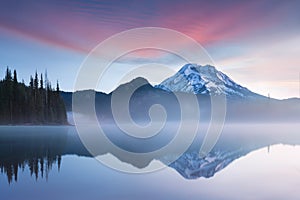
[{"x": 30, "y": 124}]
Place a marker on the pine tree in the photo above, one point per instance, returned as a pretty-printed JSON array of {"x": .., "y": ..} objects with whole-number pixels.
[
  {"x": 41, "y": 82},
  {"x": 8, "y": 75},
  {"x": 9, "y": 94},
  {"x": 31, "y": 82},
  {"x": 57, "y": 86},
  {"x": 15, "y": 77},
  {"x": 15, "y": 102},
  {"x": 36, "y": 81},
  {"x": 30, "y": 104}
]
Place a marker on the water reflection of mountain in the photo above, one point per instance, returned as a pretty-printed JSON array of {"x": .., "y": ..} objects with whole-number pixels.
[
  {"x": 236, "y": 141},
  {"x": 40, "y": 148}
]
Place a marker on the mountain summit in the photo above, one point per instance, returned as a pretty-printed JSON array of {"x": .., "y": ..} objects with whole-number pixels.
[{"x": 197, "y": 79}]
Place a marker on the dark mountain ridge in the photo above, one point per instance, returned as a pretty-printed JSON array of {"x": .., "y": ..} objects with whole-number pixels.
[{"x": 242, "y": 104}]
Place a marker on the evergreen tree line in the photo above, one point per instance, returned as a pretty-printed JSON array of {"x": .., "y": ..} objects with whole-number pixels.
[{"x": 37, "y": 103}]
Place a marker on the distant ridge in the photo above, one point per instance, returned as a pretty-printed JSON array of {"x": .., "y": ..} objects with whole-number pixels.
[{"x": 192, "y": 80}]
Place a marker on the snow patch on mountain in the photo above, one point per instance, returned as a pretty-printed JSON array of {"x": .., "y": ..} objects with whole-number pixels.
[
  {"x": 197, "y": 79},
  {"x": 191, "y": 166},
  {"x": 187, "y": 79}
]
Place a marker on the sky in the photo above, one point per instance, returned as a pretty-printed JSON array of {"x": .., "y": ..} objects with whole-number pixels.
[{"x": 256, "y": 43}]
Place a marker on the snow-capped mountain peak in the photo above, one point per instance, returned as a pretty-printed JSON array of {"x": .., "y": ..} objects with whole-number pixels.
[
  {"x": 187, "y": 79},
  {"x": 197, "y": 79}
]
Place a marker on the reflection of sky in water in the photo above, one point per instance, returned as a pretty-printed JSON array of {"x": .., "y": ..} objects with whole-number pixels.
[{"x": 259, "y": 175}]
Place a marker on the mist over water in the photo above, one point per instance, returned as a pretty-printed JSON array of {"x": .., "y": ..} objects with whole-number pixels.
[{"x": 53, "y": 158}]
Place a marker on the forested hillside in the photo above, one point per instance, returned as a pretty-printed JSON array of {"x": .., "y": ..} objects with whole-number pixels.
[{"x": 37, "y": 103}]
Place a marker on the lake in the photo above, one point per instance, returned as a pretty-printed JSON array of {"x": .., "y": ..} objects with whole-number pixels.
[{"x": 249, "y": 161}]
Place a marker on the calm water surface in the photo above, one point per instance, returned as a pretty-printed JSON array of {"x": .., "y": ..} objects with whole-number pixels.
[{"x": 51, "y": 163}]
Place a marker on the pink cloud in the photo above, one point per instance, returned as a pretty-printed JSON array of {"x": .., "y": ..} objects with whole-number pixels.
[{"x": 82, "y": 26}]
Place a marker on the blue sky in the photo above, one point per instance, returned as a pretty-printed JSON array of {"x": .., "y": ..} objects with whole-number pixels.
[{"x": 256, "y": 43}]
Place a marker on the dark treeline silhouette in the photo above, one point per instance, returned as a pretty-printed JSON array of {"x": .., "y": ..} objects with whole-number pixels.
[{"x": 37, "y": 103}]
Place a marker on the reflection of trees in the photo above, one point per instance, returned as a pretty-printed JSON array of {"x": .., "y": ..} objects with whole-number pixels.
[
  {"x": 38, "y": 151},
  {"x": 40, "y": 148}
]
